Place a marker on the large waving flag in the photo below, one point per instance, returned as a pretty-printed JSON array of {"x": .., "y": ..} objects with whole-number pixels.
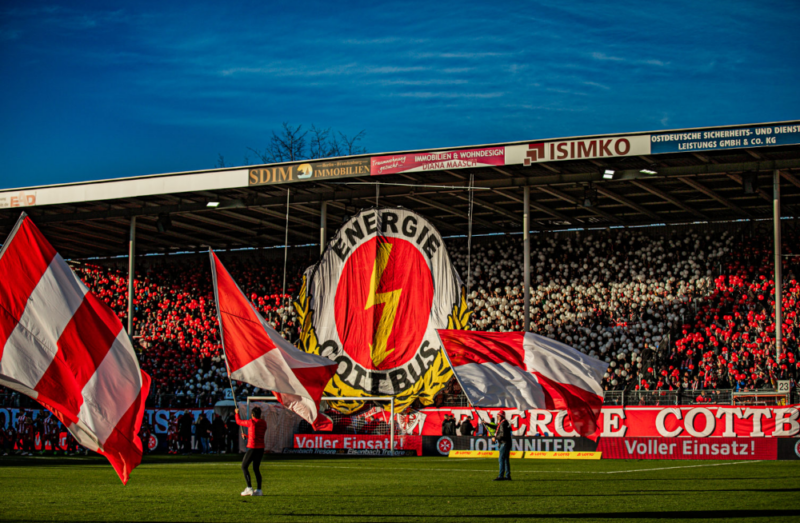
[
  {"x": 257, "y": 354},
  {"x": 527, "y": 371},
  {"x": 66, "y": 349}
]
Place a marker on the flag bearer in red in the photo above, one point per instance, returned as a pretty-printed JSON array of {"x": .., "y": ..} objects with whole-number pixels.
[
  {"x": 66, "y": 349},
  {"x": 256, "y": 429}
]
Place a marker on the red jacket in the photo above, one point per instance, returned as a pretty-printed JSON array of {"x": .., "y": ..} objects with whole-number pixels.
[{"x": 256, "y": 428}]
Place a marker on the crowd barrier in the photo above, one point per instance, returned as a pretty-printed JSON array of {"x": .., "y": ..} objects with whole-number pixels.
[{"x": 670, "y": 432}]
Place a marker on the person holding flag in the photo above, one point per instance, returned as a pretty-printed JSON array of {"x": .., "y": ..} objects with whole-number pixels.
[
  {"x": 256, "y": 354},
  {"x": 503, "y": 437},
  {"x": 256, "y": 429},
  {"x": 524, "y": 371}
]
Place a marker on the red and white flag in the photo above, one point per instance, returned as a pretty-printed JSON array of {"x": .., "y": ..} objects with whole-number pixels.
[
  {"x": 256, "y": 354},
  {"x": 527, "y": 371},
  {"x": 62, "y": 346}
]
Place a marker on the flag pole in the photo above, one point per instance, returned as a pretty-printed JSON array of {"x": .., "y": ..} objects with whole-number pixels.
[
  {"x": 221, "y": 337},
  {"x": 285, "y": 261}
]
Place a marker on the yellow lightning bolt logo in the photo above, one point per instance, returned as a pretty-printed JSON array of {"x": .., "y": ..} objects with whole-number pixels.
[{"x": 391, "y": 300}]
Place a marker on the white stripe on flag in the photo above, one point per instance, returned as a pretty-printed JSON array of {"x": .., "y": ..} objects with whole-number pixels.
[
  {"x": 294, "y": 358},
  {"x": 563, "y": 364},
  {"x": 112, "y": 389},
  {"x": 303, "y": 407},
  {"x": 498, "y": 385},
  {"x": 33, "y": 344},
  {"x": 256, "y": 373},
  {"x": 270, "y": 372}
]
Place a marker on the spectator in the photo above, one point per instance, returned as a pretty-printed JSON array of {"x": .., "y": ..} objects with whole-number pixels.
[
  {"x": 234, "y": 434},
  {"x": 466, "y": 428},
  {"x": 203, "y": 432},
  {"x": 185, "y": 422},
  {"x": 449, "y": 425},
  {"x": 218, "y": 435}
]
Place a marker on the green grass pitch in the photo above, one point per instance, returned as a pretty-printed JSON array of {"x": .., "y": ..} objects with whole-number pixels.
[{"x": 298, "y": 488}]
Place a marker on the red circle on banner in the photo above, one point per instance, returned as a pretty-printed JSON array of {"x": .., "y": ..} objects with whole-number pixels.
[
  {"x": 444, "y": 445},
  {"x": 383, "y": 302},
  {"x": 152, "y": 442}
]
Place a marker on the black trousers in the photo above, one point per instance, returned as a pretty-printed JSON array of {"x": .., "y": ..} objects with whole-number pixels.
[{"x": 252, "y": 456}]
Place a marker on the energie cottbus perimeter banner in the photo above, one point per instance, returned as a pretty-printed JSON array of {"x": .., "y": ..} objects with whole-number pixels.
[{"x": 373, "y": 303}]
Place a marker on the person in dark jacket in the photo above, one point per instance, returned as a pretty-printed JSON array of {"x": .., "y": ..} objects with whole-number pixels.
[
  {"x": 466, "y": 427},
  {"x": 503, "y": 438},
  {"x": 202, "y": 431},
  {"x": 234, "y": 434},
  {"x": 185, "y": 430},
  {"x": 217, "y": 435},
  {"x": 449, "y": 425}
]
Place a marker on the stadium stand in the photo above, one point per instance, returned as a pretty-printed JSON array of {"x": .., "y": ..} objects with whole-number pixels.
[
  {"x": 677, "y": 311},
  {"x": 687, "y": 312}
]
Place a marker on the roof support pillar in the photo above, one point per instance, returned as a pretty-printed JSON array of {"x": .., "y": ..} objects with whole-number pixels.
[
  {"x": 776, "y": 209},
  {"x": 323, "y": 227},
  {"x": 526, "y": 235},
  {"x": 131, "y": 273}
]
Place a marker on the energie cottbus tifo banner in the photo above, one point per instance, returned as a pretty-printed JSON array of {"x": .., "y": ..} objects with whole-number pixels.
[{"x": 373, "y": 303}]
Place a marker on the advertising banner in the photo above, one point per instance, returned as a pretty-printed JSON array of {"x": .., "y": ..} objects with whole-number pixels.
[
  {"x": 18, "y": 199},
  {"x": 357, "y": 442},
  {"x": 373, "y": 303},
  {"x": 438, "y": 160},
  {"x": 310, "y": 170},
  {"x": 352, "y": 452},
  {"x": 729, "y": 138},
  {"x": 618, "y": 422},
  {"x": 442, "y": 445},
  {"x": 689, "y": 448},
  {"x": 483, "y": 454},
  {"x": 789, "y": 448},
  {"x": 563, "y": 150},
  {"x": 564, "y": 455}
]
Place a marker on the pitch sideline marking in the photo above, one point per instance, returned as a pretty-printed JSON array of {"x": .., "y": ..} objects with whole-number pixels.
[
  {"x": 685, "y": 466},
  {"x": 232, "y": 463},
  {"x": 540, "y": 471}
]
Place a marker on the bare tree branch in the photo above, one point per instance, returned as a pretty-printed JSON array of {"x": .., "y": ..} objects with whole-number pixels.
[
  {"x": 293, "y": 143},
  {"x": 350, "y": 144}
]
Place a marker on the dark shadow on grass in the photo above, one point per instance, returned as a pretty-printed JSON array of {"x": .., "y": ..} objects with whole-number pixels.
[
  {"x": 94, "y": 459},
  {"x": 660, "y": 491},
  {"x": 593, "y": 478},
  {"x": 671, "y": 514}
]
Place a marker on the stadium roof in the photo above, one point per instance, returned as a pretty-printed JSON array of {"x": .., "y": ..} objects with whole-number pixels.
[{"x": 660, "y": 177}]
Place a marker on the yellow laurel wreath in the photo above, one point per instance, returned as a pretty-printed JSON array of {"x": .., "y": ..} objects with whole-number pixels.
[{"x": 425, "y": 388}]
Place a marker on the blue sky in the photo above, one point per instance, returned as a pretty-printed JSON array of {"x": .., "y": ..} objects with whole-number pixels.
[{"x": 105, "y": 90}]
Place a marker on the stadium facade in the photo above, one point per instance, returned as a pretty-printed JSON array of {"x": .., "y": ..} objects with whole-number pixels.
[{"x": 711, "y": 174}]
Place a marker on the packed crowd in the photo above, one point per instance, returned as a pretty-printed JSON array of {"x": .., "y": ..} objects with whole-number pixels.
[
  {"x": 691, "y": 311},
  {"x": 29, "y": 434},
  {"x": 676, "y": 310},
  {"x": 175, "y": 320}
]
